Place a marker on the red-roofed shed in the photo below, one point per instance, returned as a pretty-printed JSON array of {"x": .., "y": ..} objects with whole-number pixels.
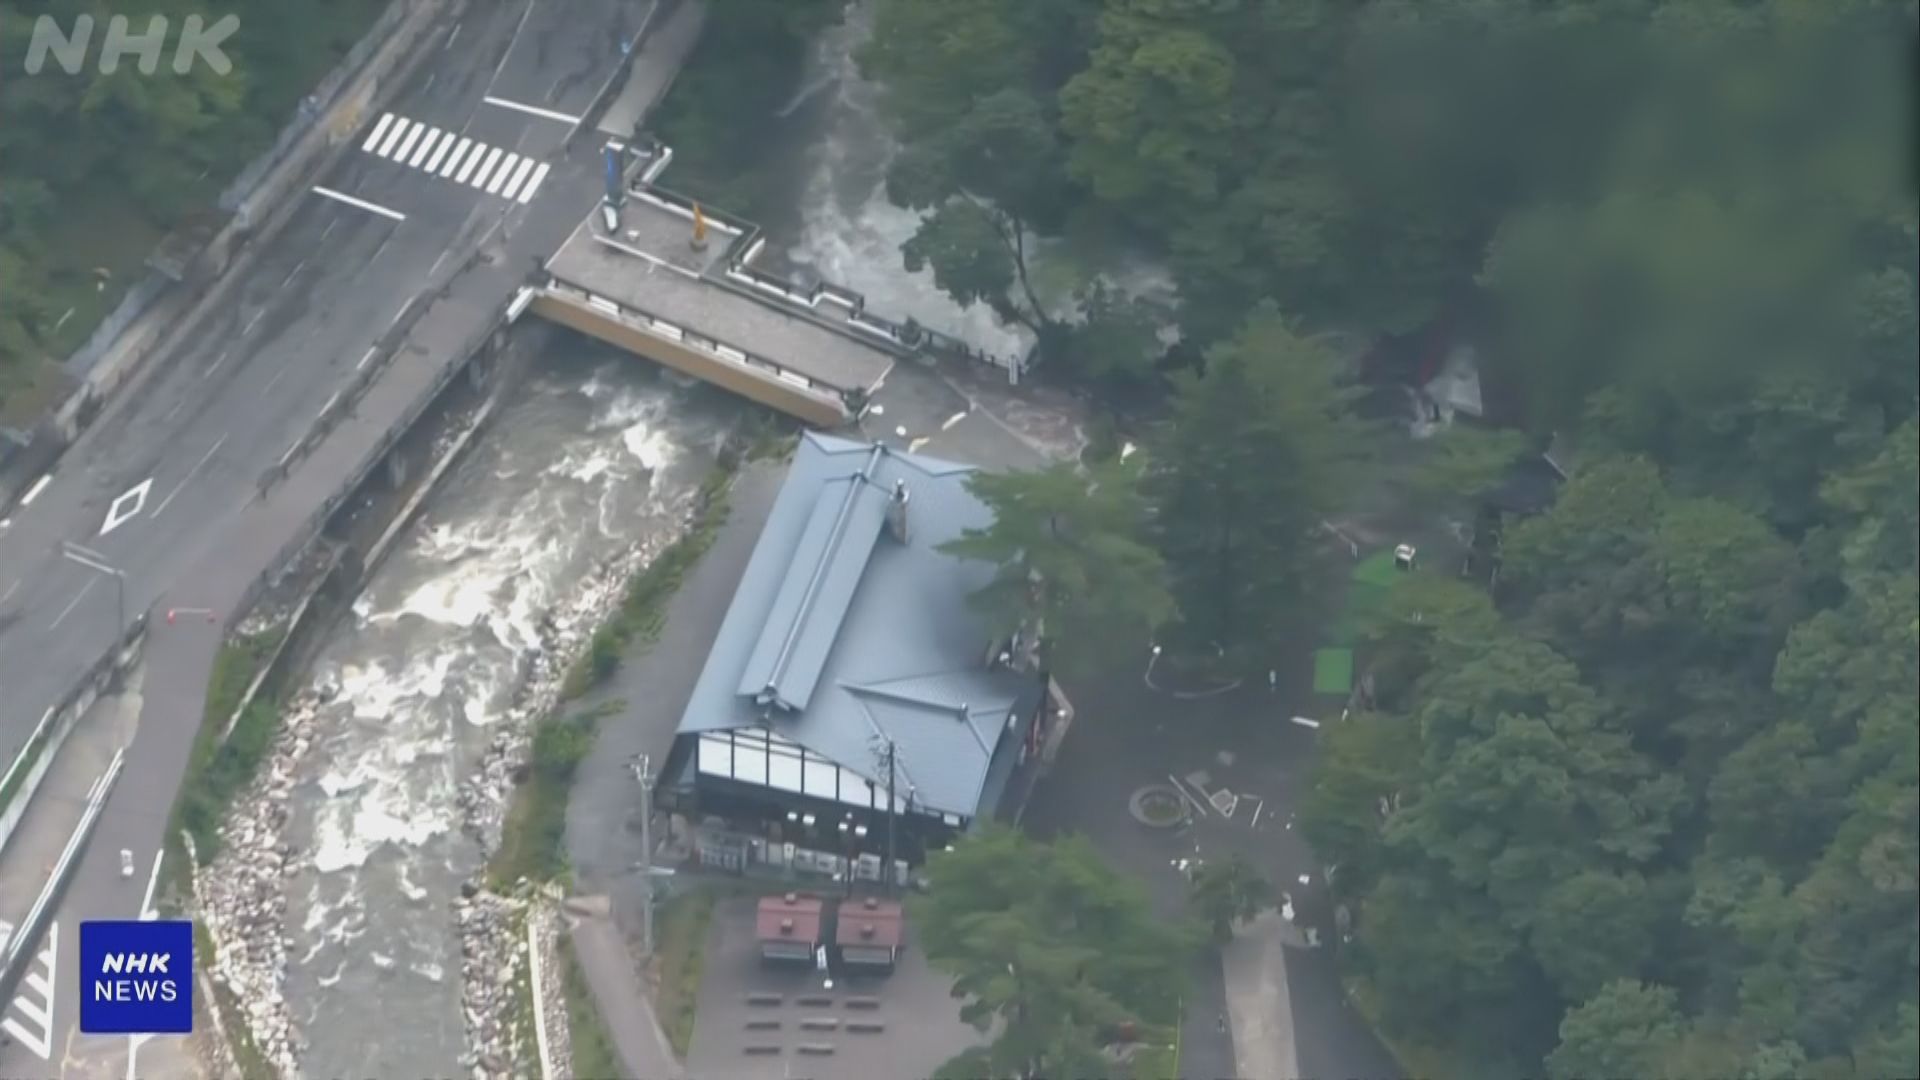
[
  {"x": 870, "y": 933},
  {"x": 788, "y": 927}
]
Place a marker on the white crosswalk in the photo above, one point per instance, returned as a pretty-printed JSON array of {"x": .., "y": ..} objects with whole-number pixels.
[
  {"x": 29, "y": 1016},
  {"x": 448, "y": 156}
]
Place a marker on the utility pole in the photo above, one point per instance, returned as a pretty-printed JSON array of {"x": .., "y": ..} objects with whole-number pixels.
[
  {"x": 642, "y": 769},
  {"x": 892, "y": 881}
]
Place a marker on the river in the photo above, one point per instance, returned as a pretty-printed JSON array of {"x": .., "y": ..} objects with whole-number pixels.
[{"x": 596, "y": 454}]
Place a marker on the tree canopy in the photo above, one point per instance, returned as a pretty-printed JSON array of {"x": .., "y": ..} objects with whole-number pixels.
[
  {"x": 1652, "y": 807},
  {"x": 1049, "y": 942},
  {"x": 94, "y": 167}
]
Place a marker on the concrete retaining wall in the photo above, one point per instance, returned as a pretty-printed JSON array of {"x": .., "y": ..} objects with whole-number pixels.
[{"x": 769, "y": 389}]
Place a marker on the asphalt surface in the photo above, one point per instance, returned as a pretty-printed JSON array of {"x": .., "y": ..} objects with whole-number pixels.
[{"x": 164, "y": 484}]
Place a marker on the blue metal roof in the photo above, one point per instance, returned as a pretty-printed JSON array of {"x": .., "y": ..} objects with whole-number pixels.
[{"x": 841, "y": 637}]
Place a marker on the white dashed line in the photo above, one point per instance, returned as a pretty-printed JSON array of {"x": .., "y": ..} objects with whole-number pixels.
[
  {"x": 191, "y": 473},
  {"x": 33, "y": 492},
  {"x": 372, "y": 208},
  {"x": 531, "y": 110}
]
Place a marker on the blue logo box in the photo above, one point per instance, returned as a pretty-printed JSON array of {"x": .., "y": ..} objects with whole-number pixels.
[{"x": 136, "y": 978}]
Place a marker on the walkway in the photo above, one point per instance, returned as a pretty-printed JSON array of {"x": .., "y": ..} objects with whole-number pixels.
[{"x": 626, "y": 1010}]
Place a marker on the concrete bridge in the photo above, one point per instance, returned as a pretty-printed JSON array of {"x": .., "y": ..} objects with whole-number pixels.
[{"x": 675, "y": 282}]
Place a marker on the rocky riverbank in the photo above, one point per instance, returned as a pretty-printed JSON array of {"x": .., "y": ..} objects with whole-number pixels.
[{"x": 242, "y": 896}]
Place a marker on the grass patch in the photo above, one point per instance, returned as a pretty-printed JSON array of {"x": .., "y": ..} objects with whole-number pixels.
[
  {"x": 1333, "y": 671},
  {"x": 643, "y": 611},
  {"x": 680, "y": 956},
  {"x": 217, "y": 769},
  {"x": 525, "y": 1025},
  {"x": 533, "y": 839},
  {"x": 1368, "y": 587},
  {"x": 593, "y": 1052},
  {"x": 233, "y": 1019}
]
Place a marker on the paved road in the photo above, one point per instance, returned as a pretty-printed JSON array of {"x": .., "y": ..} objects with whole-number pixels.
[{"x": 164, "y": 484}]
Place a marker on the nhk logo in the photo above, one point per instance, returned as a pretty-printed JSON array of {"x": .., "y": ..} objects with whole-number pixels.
[
  {"x": 197, "y": 42},
  {"x": 136, "y": 978}
]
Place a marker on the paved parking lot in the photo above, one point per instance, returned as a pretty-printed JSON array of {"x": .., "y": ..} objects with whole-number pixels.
[{"x": 919, "y": 1021}]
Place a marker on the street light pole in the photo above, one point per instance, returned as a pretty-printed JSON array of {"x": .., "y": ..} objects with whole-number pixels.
[
  {"x": 642, "y": 769},
  {"x": 97, "y": 562},
  {"x": 892, "y": 881}
]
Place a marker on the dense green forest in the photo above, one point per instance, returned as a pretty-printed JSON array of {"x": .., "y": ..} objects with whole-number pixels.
[
  {"x": 95, "y": 168},
  {"x": 1651, "y": 806}
]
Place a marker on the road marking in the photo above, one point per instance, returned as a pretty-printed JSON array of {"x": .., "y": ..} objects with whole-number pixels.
[
  {"x": 217, "y": 361},
  {"x": 500, "y": 177},
  {"x": 407, "y": 144},
  {"x": 458, "y": 153},
  {"x": 520, "y": 174},
  {"x": 277, "y": 376},
  {"x": 426, "y": 147},
  {"x": 452, "y": 36},
  {"x": 360, "y": 203},
  {"x": 288, "y": 280},
  {"x": 36, "y": 1001},
  {"x": 74, "y": 603},
  {"x": 533, "y": 183},
  {"x": 472, "y": 160},
  {"x": 371, "y": 349},
  {"x": 4, "y": 597},
  {"x": 191, "y": 473},
  {"x": 531, "y": 110},
  {"x": 952, "y": 420},
  {"x": 147, "y": 911},
  {"x": 1306, "y": 723},
  {"x": 33, "y": 492},
  {"x": 493, "y": 155},
  {"x": 379, "y": 129},
  {"x": 248, "y": 329},
  {"x": 446, "y": 144},
  {"x": 394, "y": 136},
  {"x": 127, "y": 505}
]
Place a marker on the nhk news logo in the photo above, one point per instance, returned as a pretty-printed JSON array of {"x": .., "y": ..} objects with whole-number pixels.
[{"x": 136, "y": 978}]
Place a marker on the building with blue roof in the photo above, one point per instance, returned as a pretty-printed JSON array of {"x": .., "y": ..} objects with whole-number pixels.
[{"x": 851, "y": 660}]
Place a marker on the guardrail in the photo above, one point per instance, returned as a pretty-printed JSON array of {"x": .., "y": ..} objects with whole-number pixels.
[
  {"x": 30, "y": 765},
  {"x": 27, "y": 934}
]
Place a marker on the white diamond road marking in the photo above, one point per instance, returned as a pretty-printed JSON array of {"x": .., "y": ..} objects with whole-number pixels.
[
  {"x": 449, "y": 156},
  {"x": 127, "y": 506},
  {"x": 29, "y": 1016}
]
